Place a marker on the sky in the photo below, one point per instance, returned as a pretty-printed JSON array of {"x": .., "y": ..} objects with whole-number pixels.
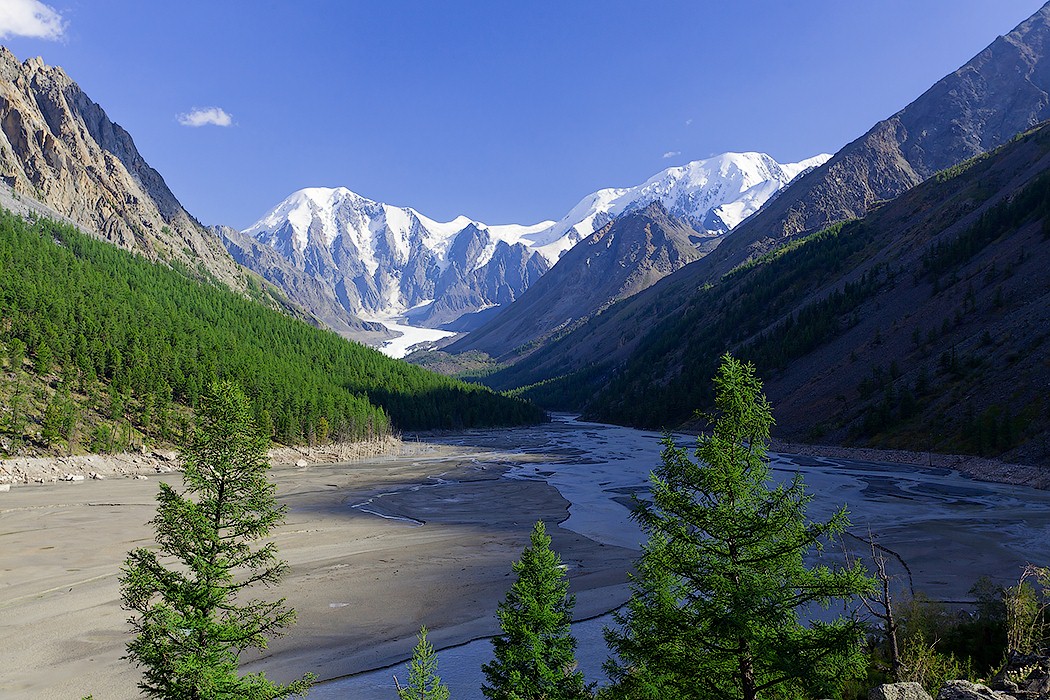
[{"x": 507, "y": 112}]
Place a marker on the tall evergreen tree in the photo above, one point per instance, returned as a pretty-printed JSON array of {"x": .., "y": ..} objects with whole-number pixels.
[
  {"x": 423, "y": 681},
  {"x": 187, "y": 601},
  {"x": 535, "y": 657},
  {"x": 722, "y": 582}
]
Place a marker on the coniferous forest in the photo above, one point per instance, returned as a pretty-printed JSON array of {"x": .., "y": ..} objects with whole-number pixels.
[{"x": 117, "y": 336}]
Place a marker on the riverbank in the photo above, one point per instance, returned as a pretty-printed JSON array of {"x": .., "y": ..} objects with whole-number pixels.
[
  {"x": 980, "y": 468},
  {"x": 423, "y": 534},
  {"x": 50, "y": 470}
]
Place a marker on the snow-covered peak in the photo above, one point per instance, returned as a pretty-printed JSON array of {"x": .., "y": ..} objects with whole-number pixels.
[
  {"x": 384, "y": 259},
  {"x": 714, "y": 194},
  {"x": 337, "y": 211}
]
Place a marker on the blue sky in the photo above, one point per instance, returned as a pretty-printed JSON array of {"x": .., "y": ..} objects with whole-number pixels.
[{"x": 505, "y": 112}]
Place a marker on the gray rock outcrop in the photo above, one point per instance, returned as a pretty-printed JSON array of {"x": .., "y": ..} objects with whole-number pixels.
[
  {"x": 899, "y": 691},
  {"x": 1024, "y": 676},
  {"x": 59, "y": 148}
]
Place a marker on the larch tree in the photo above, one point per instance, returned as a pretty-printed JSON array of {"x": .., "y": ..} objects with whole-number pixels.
[
  {"x": 535, "y": 656},
  {"x": 424, "y": 683},
  {"x": 722, "y": 590},
  {"x": 190, "y": 606}
]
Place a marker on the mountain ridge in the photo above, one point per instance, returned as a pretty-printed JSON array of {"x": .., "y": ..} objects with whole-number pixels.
[
  {"x": 869, "y": 170},
  {"x": 920, "y": 326},
  {"x": 379, "y": 260},
  {"x": 60, "y": 147},
  {"x": 625, "y": 256}
]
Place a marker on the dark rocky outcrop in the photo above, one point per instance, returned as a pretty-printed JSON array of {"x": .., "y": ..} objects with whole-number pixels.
[
  {"x": 1024, "y": 676},
  {"x": 965, "y": 690}
]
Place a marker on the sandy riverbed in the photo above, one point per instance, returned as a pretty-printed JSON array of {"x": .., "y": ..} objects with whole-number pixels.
[
  {"x": 362, "y": 584},
  {"x": 423, "y": 534}
]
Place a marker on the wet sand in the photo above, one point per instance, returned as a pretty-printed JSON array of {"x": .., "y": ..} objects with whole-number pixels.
[{"x": 434, "y": 551}]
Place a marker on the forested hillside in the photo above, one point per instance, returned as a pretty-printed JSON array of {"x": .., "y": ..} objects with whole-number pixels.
[
  {"x": 923, "y": 325},
  {"x": 100, "y": 345}
]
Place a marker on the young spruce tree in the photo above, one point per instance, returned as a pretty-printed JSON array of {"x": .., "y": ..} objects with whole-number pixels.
[
  {"x": 423, "y": 681},
  {"x": 722, "y": 582},
  {"x": 535, "y": 657},
  {"x": 189, "y": 602}
]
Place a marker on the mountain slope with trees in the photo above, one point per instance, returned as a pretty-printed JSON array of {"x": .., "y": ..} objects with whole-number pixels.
[
  {"x": 923, "y": 325},
  {"x": 1000, "y": 92},
  {"x": 89, "y": 328}
]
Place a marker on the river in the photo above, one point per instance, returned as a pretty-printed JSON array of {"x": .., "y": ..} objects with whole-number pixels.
[{"x": 950, "y": 529}]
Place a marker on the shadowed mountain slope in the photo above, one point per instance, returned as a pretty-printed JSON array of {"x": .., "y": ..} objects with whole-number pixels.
[
  {"x": 617, "y": 261},
  {"x": 924, "y": 325},
  {"x": 1000, "y": 92}
]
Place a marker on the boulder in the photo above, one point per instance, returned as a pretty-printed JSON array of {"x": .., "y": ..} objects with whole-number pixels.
[
  {"x": 898, "y": 691},
  {"x": 965, "y": 690},
  {"x": 302, "y": 463}
]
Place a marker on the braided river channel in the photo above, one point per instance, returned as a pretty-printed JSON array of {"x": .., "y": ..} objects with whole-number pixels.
[{"x": 948, "y": 528}]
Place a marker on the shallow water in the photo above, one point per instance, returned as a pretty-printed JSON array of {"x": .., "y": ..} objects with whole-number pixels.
[
  {"x": 949, "y": 528},
  {"x": 460, "y": 668}
]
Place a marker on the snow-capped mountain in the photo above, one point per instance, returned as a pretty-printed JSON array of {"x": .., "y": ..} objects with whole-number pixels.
[
  {"x": 712, "y": 195},
  {"x": 382, "y": 260}
]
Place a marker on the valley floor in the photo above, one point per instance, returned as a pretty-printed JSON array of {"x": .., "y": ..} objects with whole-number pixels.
[
  {"x": 362, "y": 576},
  {"x": 422, "y": 533}
]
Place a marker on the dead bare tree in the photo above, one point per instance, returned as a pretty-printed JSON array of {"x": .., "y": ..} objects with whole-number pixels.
[{"x": 880, "y": 605}]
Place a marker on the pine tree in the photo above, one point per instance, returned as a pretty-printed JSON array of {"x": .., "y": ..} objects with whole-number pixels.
[
  {"x": 535, "y": 657},
  {"x": 187, "y": 601},
  {"x": 722, "y": 581},
  {"x": 423, "y": 680}
]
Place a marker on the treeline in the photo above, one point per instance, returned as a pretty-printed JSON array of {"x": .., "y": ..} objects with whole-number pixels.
[
  {"x": 1030, "y": 204},
  {"x": 104, "y": 321},
  {"x": 733, "y": 314}
]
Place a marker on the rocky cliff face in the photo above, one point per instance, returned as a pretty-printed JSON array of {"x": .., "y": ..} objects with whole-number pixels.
[
  {"x": 377, "y": 260},
  {"x": 1002, "y": 91},
  {"x": 615, "y": 262},
  {"x": 59, "y": 147},
  {"x": 309, "y": 293},
  {"x": 464, "y": 287}
]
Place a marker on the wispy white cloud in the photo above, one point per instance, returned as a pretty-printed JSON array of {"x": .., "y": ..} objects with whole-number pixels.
[
  {"x": 30, "y": 18},
  {"x": 672, "y": 154},
  {"x": 204, "y": 116},
  {"x": 688, "y": 121}
]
